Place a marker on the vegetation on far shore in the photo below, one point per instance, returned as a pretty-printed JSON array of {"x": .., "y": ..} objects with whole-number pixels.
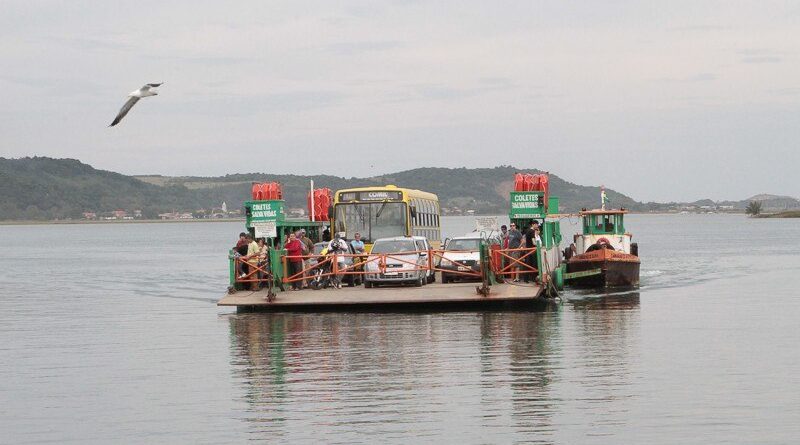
[
  {"x": 47, "y": 189},
  {"x": 753, "y": 208},
  {"x": 40, "y": 188},
  {"x": 786, "y": 214}
]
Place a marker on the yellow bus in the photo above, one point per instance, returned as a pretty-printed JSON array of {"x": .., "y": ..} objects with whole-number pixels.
[{"x": 381, "y": 212}]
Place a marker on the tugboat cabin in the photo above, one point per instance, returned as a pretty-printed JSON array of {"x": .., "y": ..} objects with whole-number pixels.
[{"x": 603, "y": 226}]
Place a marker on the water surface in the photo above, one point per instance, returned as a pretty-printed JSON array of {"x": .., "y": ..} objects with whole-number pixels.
[{"x": 110, "y": 333}]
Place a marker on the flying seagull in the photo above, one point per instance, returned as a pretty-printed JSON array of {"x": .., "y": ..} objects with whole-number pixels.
[{"x": 134, "y": 97}]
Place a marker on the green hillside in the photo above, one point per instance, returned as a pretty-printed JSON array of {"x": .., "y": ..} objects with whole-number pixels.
[{"x": 42, "y": 188}]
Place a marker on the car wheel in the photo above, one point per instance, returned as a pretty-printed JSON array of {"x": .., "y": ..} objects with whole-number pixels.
[
  {"x": 432, "y": 278},
  {"x": 420, "y": 281}
]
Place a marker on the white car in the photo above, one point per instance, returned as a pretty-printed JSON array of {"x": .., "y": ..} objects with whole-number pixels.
[
  {"x": 404, "y": 254},
  {"x": 462, "y": 254}
]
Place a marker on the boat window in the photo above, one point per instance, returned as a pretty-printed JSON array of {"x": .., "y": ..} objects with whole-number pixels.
[{"x": 609, "y": 223}]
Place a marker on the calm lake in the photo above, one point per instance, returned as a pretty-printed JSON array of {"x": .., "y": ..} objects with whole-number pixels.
[{"x": 110, "y": 334}]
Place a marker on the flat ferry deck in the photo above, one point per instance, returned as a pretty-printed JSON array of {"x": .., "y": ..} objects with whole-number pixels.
[{"x": 454, "y": 295}]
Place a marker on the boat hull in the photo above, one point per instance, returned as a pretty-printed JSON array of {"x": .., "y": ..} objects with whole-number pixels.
[{"x": 617, "y": 269}]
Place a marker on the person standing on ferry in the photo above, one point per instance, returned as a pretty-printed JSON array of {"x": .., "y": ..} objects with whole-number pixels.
[
  {"x": 357, "y": 244},
  {"x": 514, "y": 242},
  {"x": 294, "y": 252}
]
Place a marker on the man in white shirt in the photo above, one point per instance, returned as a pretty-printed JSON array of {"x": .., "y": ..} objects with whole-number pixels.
[{"x": 338, "y": 246}]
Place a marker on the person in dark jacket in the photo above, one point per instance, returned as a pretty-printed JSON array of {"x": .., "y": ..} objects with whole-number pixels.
[
  {"x": 241, "y": 245},
  {"x": 530, "y": 242},
  {"x": 514, "y": 242}
]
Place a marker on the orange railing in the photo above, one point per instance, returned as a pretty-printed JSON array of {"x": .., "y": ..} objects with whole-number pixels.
[
  {"x": 257, "y": 273},
  {"x": 502, "y": 262},
  {"x": 359, "y": 264},
  {"x": 507, "y": 262}
]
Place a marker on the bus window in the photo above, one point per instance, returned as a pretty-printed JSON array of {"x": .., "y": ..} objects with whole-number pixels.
[{"x": 372, "y": 220}]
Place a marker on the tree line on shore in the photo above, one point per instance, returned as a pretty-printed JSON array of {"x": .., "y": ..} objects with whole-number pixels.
[{"x": 41, "y": 188}]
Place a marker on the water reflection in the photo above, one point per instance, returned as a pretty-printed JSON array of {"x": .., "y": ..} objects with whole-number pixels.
[
  {"x": 498, "y": 376},
  {"x": 519, "y": 352},
  {"x": 603, "y": 372}
]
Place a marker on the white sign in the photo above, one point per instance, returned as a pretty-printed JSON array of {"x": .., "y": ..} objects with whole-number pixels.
[
  {"x": 265, "y": 229},
  {"x": 486, "y": 224}
]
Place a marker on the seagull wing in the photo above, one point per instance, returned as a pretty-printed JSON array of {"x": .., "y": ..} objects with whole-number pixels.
[{"x": 124, "y": 110}]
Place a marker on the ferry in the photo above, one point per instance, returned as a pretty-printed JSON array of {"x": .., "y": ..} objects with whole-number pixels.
[{"x": 397, "y": 212}]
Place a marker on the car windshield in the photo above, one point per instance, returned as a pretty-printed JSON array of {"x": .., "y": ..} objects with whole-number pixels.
[
  {"x": 372, "y": 220},
  {"x": 393, "y": 246},
  {"x": 464, "y": 244}
]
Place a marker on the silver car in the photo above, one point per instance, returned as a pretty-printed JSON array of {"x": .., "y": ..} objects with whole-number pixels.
[{"x": 405, "y": 254}]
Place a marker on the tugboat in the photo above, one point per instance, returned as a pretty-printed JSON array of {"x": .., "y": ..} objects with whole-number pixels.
[{"x": 603, "y": 255}]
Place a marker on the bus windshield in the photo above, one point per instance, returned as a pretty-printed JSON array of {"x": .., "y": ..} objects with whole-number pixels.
[{"x": 372, "y": 220}]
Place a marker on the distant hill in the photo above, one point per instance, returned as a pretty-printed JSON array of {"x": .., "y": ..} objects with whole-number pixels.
[
  {"x": 774, "y": 202},
  {"x": 484, "y": 190},
  {"x": 42, "y": 188}
]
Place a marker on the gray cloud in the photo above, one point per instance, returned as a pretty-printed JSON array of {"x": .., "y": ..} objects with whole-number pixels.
[
  {"x": 699, "y": 28},
  {"x": 442, "y": 92},
  {"x": 699, "y": 77},
  {"x": 669, "y": 93},
  {"x": 55, "y": 86},
  {"x": 483, "y": 86},
  {"x": 92, "y": 44},
  {"x": 755, "y": 52},
  {"x": 785, "y": 91},
  {"x": 760, "y": 55},
  {"x": 761, "y": 59},
  {"x": 351, "y": 48},
  {"x": 254, "y": 104}
]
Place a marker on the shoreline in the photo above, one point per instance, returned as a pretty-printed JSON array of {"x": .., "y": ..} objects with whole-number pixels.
[
  {"x": 118, "y": 221},
  {"x": 786, "y": 214}
]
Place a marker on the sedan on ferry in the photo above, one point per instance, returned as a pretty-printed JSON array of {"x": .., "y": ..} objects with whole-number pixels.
[
  {"x": 461, "y": 258},
  {"x": 398, "y": 260}
]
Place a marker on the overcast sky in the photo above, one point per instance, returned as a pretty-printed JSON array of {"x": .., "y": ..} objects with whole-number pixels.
[{"x": 667, "y": 100}]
